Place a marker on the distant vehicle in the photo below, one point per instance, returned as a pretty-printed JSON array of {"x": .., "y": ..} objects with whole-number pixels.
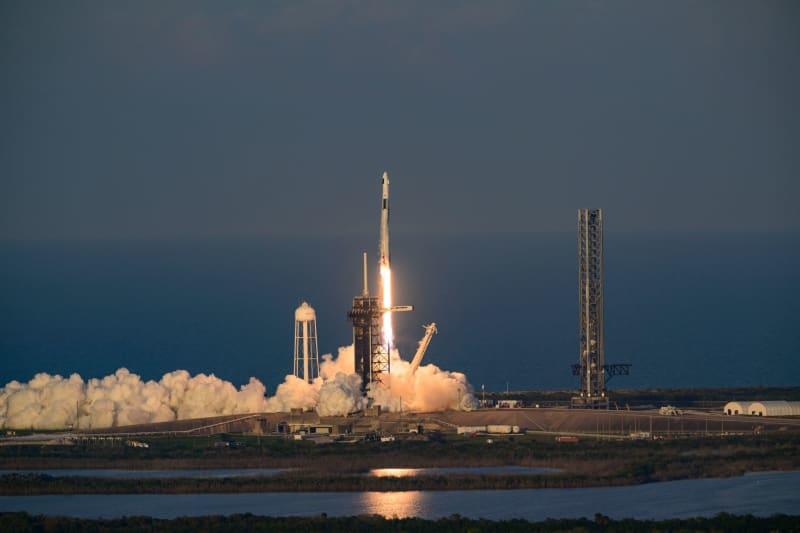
[
  {"x": 390, "y": 438},
  {"x": 669, "y": 410},
  {"x": 136, "y": 444},
  {"x": 641, "y": 435}
]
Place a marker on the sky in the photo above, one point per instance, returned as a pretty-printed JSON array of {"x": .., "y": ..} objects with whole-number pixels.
[{"x": 192, "y": 120}]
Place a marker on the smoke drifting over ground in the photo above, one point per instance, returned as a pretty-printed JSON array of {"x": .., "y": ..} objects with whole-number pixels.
[{"x": 123, "y": 398}]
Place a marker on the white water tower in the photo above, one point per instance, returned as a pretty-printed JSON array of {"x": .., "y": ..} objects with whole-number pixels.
[{"x": 306, "y": 352}]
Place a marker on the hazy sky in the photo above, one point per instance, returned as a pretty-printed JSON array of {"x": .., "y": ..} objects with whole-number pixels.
[{"x": 195, "y": 119}]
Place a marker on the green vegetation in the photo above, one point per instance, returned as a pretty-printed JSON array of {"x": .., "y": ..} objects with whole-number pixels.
[
  {"x": 22, "y": 522},
  {"x": 337, "y": 467},
  {"x": 39, "y": 484}
]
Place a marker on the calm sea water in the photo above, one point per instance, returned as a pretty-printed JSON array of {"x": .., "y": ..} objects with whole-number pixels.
[
  {"x": 762, "y": 494},
  {"x": 686, "y": 310}
]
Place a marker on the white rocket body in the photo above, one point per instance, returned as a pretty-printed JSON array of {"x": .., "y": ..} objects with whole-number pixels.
[{"x": 384, "y": 239}]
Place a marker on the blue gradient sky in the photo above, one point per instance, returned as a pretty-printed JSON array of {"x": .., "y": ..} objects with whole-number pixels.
[{"x": 141, "y": 120}]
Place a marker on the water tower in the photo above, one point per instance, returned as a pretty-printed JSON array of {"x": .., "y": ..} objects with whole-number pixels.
[{"x": 306, "y": 352}]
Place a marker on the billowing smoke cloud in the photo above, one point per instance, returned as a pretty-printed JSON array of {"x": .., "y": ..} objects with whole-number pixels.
[
  {"x": 428, "y": 389},
  {"x": 123, "y": 398}
]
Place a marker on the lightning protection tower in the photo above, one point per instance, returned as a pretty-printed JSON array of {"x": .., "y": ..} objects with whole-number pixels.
[
  {"x": 306, "y": 351},
  {"x": 366, "y": 315},
  {"x": 591, "y": 367}
]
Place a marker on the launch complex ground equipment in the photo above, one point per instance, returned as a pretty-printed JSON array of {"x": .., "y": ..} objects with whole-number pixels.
[
  {"x": 430, "y": 330},
  {"x": 592, "y": 368},
  {"x": 371, "y": 356}
]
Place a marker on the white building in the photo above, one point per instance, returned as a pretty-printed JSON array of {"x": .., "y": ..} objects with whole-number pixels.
[
  {"x": 777, "y": 408},
  {"x": 770, "y": 408},
  {"x": 736, "y": 408}
]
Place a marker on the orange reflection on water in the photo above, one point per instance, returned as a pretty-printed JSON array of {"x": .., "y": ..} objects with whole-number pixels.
[
  {"x": 401, "y": 504},
  {"x": 395, "y": 472}
]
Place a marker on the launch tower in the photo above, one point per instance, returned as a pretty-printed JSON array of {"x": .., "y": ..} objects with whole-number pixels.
[
  {"x": 366, "y": 316},
  {"x": 590, "y": 301},
  {"x": 591, "y": 367}
]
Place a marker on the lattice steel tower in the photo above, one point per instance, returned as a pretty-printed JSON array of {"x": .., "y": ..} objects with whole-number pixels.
[
  {"x": 592, "y": 367},
  {"x": 366, "y": 315}
]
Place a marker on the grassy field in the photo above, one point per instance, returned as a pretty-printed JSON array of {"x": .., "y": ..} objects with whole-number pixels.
[
  {"x": 336, "y": 467},
  {"x": 21, "y": 522}
]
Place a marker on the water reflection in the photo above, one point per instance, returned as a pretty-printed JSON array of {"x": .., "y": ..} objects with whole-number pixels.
[
  {"x": 478, "y": 470},
  {"x": 393, "y": 504},
  {"x": 761, "y": 494},
  {"x": 395, "y": 472}
]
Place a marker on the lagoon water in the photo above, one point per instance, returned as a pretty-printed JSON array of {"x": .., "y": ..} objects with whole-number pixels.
[
  {"x": 684, "y": 309},
  {"x": 761, "y": 494}
]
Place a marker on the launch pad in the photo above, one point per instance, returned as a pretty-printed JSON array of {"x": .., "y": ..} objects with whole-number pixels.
[
  {"x": 548, "y": 421},
  {"x": 371, "y": 316},
  {"x": 372, "y": 353}
]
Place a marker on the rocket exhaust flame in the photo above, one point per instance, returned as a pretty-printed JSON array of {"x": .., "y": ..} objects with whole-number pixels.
[
  {"x": 385, "y": 266},
  {"x": 386, "y": 285}
]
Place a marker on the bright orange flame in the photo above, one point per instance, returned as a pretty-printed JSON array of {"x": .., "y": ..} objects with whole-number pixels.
[{"x": 386, "y": 284}]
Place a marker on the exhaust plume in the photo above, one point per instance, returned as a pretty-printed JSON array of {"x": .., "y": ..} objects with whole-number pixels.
[{"x": 123, "y": 398}]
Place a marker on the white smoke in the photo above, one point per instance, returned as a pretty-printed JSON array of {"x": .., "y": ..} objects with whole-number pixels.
[
  {"x": 340, "y": 396},
  {"x": 123, "y": 398},
  {"x": 428, "y": 389}
]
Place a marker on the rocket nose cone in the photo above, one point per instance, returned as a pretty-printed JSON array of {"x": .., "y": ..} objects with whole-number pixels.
[{"x": 385, "y": 179}]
